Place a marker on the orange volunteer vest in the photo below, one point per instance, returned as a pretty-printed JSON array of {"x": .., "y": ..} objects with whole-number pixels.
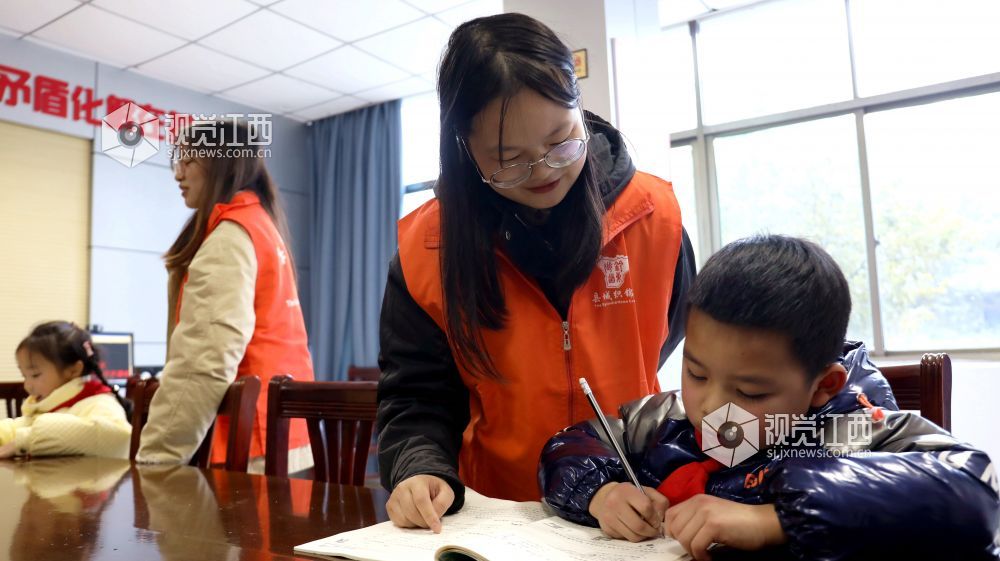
[
  {"x": 279, "y": 344},
  {"x": 616, "y": 325}
]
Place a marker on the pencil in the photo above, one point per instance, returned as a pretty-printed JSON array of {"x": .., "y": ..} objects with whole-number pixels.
[{"x": 611, "y": 437}]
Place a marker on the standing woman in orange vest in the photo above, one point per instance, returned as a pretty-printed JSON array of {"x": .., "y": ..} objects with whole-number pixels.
[
  {"x": 546, "y": 257},
  {"x": 233, "y": 302}
]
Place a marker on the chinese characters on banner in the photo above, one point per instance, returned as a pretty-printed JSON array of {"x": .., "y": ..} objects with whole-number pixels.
[{"x": 58, "y": 98}]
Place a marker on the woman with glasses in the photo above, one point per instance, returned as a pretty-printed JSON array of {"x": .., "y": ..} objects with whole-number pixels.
[
  {"x": 546, "y": 257},
  {"x": 233, "y": 303}
]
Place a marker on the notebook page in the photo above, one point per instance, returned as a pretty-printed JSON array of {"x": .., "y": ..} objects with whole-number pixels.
[
  {"x": 480, "y": 517},
  {"x": 555, "y": 539}
]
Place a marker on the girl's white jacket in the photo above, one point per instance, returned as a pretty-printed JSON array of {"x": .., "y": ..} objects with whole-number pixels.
[{"x": 93, "y": 426}]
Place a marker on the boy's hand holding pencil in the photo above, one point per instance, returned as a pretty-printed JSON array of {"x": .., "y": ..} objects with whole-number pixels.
[{"x": 624, "y": 512}]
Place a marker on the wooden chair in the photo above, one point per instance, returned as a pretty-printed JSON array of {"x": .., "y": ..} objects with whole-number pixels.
[
  {"x": 368, "y": 374},
  {"x": 925, "y": 387},
  {"x": 340, "y": 417},
  {"x": 239, "y": 404},
  {"x": 13, "y": 395},
  {"x": 140, "y": 392},
  {"x": 363, "y": 374}
]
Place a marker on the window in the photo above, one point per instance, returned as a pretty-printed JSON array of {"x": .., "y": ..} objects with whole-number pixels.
[
  {"x": 655, "y": 91},
  {"x": 674, "y": 11},
  {"x": 936, "y": 201},
  {"x": 901, "y": 44},
  {"x": 773, "y": 57},
  {"x": 869, "y": 126},
  {"x": 412, "y": 201},
  {"x": 682, "y": 176},
  {"x": 800, "y": 180},
  {"x": 420, "y": 123}
]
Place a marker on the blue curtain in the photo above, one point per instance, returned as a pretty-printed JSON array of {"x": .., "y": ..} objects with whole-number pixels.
[{"x": 357, "y": 191}]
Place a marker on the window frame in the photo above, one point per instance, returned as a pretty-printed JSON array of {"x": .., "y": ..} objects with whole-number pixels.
[{"x": 702, "y": 137}]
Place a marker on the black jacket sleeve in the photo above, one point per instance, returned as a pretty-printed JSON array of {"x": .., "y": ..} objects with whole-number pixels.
[
  {"x": 579, "y": 460},
  {"x": 423, "y": 405},
  {"x": 678, "y": 311}
]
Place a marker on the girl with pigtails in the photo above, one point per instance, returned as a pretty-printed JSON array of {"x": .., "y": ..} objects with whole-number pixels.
[{"x": 71, "y": 409}]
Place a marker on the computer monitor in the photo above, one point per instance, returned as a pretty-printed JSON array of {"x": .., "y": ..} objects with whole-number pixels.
[{"x": 116, "y": 352}]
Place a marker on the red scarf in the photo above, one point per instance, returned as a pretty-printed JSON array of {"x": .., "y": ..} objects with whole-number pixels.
[
  {"x": 689, "y": 479},
  {"x": 90, "y": 388}
]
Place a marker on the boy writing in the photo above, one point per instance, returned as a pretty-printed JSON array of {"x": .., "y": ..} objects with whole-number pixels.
[{"x": 765, "y": 341}]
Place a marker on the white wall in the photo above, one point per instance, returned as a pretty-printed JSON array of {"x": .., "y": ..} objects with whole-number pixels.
[
  {"x": 975, "y": 411},
  {"x": 591, "y": 25},
  {"x": 580, "y": 24},
  {"x": 137, "y": 212}
]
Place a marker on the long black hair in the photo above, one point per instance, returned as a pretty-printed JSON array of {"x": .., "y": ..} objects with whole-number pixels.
[
  {"x": 493, "y": 58},
  {"x": 231, "y": 165},
  {"x": 64, "y": 343}
]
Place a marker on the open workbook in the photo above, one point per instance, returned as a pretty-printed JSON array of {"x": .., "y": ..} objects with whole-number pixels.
[{"x": 491, "y": 530}]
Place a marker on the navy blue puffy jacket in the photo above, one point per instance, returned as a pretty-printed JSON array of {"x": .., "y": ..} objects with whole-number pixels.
[{"x": 916, "y": 492}]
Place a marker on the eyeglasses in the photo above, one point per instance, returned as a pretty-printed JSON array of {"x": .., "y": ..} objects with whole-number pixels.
[
  {"x": 561, "y": 155},
  {"x": 180, "y": 163}
]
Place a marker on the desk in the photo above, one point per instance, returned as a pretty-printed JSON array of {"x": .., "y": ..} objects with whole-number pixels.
[
  {"x": 89, "y": 509},
  {"x": 97, "y": 509}
]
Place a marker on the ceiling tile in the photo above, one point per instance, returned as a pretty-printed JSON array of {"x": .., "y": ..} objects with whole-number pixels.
[
  {"x": 347, "y": 70},
  {"x": 415, "y": 47},
  {"x": 269, "y": 40},
  {"x": 398, "y": 90},
  {"x": 201, "y": 69},
  {"x": 471, "y": 10},
  {"x": 333, "y": 107},
  {"x": 279, "y": 94},
  {"x": 349, "y": 20},
  {"x": 22, "y": 16},
  {"x": 106, "y": 37},
  {"x": 190, "y": 19},
  {"x": 295, "y": 117},
  {"x": 435, "y": 6}
]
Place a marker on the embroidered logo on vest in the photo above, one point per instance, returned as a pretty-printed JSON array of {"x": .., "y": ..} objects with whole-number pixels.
[{"x": 614, "y": 269}]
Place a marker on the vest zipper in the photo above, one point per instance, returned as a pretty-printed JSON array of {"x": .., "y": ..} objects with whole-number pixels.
[{"x": 567, "y": 347}]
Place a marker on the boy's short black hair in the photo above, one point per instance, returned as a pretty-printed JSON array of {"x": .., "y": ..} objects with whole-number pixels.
[{"x": 782, "y": 284}]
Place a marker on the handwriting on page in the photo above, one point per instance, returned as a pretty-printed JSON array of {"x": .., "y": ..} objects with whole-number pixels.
[
  {"x": 481, "y": 516},
  {"x": 555, "y": 538},
  {"x": 496, "y": 530}
]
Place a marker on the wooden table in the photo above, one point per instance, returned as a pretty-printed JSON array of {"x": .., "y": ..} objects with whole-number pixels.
[
  {"x": 64, "y": 509},
  {"x": 95, "y": 508}
]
